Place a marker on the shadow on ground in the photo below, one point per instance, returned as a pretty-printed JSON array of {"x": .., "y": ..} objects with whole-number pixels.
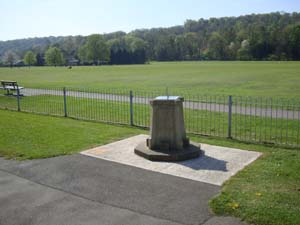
[{"x": 205, "y": 163}]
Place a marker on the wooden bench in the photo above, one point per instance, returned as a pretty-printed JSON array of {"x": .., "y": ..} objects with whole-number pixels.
[{"x": 10, "y": 86}]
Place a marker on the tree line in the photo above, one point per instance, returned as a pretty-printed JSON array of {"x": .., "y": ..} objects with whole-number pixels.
[
  {"x": 272, "y": 36},
  {"x": 95, "y": 50}
]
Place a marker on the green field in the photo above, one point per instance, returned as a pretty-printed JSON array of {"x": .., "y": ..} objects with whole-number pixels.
[{"x": 270, "y": 79}]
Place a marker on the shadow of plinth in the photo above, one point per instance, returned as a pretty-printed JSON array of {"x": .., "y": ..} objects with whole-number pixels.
[{"x": 205, "y": 162}]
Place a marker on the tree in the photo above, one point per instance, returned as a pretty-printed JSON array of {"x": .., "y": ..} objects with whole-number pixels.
[
  {"x": 10, "y": 57},
  {"x": 96, "y": 49},
  {"x": 217, "y": 49},
  {"x": 30, "y": 58},
  {"x": 259, "y": 43},
  {"x": 165, "y": 48},
  {"x": 127, "y": 50},
  {"x": 192, "y": 43},
  {"x": 54, "y": 56},
  {"x": 40, "y": 61},
  {"x": 82, "y": 54},
  {"x": 244, "y": 52},
  {"x": 231, "y": 51},
  {"x": 69, "y": 48},
  {"x": 293, "y": 41}
]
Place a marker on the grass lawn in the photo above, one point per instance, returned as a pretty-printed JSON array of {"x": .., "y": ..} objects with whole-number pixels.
[
  {"x": 28, "y": 136},
  {"x": 265, "y": 192},
  {"x": 269, "y": 79}
]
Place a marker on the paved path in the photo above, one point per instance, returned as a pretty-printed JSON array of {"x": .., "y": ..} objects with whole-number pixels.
[
  {"x": 214, "y": 107},
  {"x": 80, "y": 190}
]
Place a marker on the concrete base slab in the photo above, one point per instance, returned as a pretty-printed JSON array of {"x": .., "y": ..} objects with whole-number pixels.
[{"x": 215, "y": 166}]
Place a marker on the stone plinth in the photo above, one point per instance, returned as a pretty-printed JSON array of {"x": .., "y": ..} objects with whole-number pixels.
[{"x": 168, "y": 141}]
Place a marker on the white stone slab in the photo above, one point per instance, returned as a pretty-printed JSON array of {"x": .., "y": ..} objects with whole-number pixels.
[{"x": 216, "y": 166}]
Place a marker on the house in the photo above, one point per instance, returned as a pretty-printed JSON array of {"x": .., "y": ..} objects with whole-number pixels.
[
  {"x": 73, "y": 62},
  {"x": 19, "y": 63}
]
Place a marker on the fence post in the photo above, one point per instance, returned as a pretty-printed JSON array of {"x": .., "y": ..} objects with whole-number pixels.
[
  {"x": 131, "y": 107},
  {"x": 18, "y": 99},
  {"x": 65, "y": 101},
  {"x": 229, "y": 116}
]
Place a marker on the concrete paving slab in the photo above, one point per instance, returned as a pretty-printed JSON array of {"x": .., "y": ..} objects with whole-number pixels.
[{"x": 216, "y": 166}]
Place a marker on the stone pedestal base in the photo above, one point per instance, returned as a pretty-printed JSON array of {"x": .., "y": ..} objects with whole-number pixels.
[{"x": 189, "y": 152}]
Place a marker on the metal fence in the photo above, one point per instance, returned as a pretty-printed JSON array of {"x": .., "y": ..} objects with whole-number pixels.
[{"x": 251, "y": 119}]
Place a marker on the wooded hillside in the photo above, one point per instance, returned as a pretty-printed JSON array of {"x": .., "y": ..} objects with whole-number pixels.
[{"x": 273, "y": 36}]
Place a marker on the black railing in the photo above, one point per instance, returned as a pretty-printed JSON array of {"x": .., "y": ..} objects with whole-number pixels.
[{"x": 251, "y": 119}]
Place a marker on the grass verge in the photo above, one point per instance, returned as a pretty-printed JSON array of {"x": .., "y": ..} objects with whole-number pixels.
[
  {"x": 28, "y": 136},
  {"x": 265, "y": 192}
]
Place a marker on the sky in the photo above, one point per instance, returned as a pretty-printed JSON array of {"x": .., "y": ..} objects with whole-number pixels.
[{"x": 41, "y": 18}]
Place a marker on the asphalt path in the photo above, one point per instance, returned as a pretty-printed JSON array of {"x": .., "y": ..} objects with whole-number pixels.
[
  {"x": 274, "y": 112},
  {"x": 79, "y": 190}
]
